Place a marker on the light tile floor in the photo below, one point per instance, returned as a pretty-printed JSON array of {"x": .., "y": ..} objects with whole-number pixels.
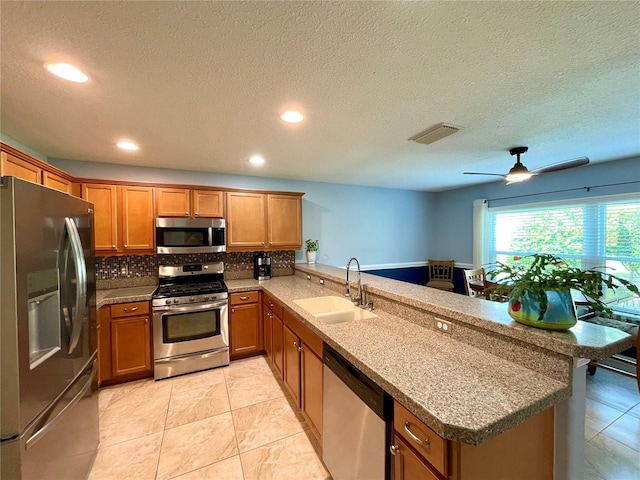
[
  {"x": 612, "y": 427},
  {"x": 231, "y": 423},
  {"x": 236, "y": 423}
]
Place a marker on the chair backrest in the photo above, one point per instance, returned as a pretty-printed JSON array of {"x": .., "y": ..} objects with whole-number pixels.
[
  {"x": 441, "y": 270},
  {"x": 475, "y": 275}
]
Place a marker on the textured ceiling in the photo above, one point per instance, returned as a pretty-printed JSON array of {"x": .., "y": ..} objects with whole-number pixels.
[{"x": 200, "y": 85}]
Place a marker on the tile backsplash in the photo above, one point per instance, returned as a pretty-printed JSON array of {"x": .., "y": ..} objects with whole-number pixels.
[{"x": 140, "y": 270}]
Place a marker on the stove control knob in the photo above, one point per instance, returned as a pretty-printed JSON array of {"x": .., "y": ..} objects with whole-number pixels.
[
  {"x": 175, "y": 300},
  {"x": 192, "y": 299},
  {"x": 168, "y": 301},
  {"x": 206, "y": 267}
]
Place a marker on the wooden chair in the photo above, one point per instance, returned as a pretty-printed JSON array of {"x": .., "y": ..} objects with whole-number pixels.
[
  {"x": 474, "y": 282},
  {"x": 441, "y": 274}
]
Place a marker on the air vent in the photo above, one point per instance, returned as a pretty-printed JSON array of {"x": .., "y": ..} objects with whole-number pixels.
[{"x": 435, "y": 133}]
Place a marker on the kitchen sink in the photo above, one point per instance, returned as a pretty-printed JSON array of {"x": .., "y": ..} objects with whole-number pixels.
[{"x": 333, "y": 309}]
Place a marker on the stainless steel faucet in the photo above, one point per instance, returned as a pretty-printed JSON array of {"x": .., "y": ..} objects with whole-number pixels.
[{"x": 358, "y": 300}]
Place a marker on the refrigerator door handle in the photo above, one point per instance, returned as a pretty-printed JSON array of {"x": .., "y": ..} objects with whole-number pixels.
[
  {"x": 52, "y": 423},
  {"x": 81, "y": 287}
]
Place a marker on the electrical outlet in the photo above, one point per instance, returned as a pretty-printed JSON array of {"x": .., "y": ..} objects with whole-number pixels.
[
  {"x": 443, "y": 325},
  {"x": 321, "y": 281}
]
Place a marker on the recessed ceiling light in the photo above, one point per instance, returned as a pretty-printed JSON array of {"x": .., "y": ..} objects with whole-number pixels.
[
  {"x": 292, "y": 116},
  {"x": 66, "y": 71},
  {"x": 256, "y": 160},
  {"x": 125, "y": 145}
]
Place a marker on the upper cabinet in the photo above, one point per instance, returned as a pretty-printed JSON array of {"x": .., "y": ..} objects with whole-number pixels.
[
  {"x": 183, "y": 202},
  {"x": 258, "y": 221},
  {"x": 18, "y": 164},
  {"x": 124, "y": 218}
]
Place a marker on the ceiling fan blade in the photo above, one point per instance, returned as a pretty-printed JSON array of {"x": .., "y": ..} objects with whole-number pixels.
[
  {"x": 564, "y": 165},
  {"x": 479, "y": 173}
]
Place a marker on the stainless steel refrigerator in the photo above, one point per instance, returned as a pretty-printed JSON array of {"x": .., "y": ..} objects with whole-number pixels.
[{"x": 49, "y": 401}]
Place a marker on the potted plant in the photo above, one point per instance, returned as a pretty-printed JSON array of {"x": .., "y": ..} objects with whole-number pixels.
[
  {"x": 539, "y": 289},
  {"x": 312, "y": 248}
]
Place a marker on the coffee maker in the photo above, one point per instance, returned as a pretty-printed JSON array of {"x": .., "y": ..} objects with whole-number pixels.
[{"x": 261, "y": 266}]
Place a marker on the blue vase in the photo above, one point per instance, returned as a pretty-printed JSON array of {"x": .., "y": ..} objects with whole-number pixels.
[{"x": 560, "y": 314}]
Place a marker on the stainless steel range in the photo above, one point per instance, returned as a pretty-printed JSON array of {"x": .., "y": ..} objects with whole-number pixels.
[{"x": 190, "y": 319}]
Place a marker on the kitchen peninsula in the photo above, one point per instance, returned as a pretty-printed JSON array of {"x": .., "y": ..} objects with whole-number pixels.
[{"x": 485, "y": 377}]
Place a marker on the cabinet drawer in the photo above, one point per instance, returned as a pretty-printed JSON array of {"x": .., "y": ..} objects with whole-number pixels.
[
  {"x": 244, "y": 297},
  {"x": 129, "y": 309},
  {"x": 273, "y": 305},
  {"x": 430, "y": 445}
]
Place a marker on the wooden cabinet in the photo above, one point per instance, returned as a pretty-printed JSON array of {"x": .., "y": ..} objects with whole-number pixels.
[
  {"x": 18, "y": 164},
  {"x": 183, "y": 202},
  {"x": 138, "y": 226},
  {"x": 207, "y": 203},
  {"x": 407, "y": 465},
  {"x": 105, "y": 214},
  {"x": 17, "y": 167},
  {"x": 245, "y": 325},
  {"x": 52, "y": 180},
  {"x": 303, "y": 370},
  {"x": 246, "y": 221},
  {"x": 284, "y": 222},
  {"x": 292, "y": 350},
  {"x": 274, "y": 337},
  {"x": 525, "y": 451},
  {"x": 123, "y": 217},
  {"x": 257, "y": 221},
  {"x": 124, "y": 343}
]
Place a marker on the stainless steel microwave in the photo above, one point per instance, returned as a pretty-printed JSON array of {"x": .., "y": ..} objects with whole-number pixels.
[{"x": 190, "y": 235}]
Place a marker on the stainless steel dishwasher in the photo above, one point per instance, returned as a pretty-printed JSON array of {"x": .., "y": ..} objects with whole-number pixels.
[{"x": 357, "y": 422}]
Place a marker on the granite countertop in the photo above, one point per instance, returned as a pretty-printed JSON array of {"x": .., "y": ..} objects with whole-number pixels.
[{"x": 123, "y": 295}]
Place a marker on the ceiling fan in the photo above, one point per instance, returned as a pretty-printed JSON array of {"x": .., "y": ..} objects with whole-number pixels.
[{"x": 520, "y": 173}]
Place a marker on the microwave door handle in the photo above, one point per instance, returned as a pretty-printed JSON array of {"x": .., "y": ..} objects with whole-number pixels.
[
  {"x": 81, "y": 283},
  {"x": 210, "y": 230}
]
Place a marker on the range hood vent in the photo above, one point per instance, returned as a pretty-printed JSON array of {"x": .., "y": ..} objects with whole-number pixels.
[{"x": 435, "y": 133}]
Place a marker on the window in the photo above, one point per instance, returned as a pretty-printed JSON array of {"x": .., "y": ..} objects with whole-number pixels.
[{"x": 588, "y": 233}]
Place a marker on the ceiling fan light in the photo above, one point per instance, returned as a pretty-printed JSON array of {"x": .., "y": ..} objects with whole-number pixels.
[{"x": 518, "y": 177}]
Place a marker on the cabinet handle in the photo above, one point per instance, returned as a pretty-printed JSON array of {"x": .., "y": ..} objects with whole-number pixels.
[
  {"x": 186, "y": 214},
  {"x": 125, "y": 245},
  {"x": 233, "y": 310},
  {"x": 416, "y": 439},
  {"x": 130, "y": 309},
  {"x": 262, "y": 243},
  {"x": 295, "y": 344},
  {"x": 113, "y": 246},
  {"x": 299, "y": 349},
  {"x": 244, "y": 297},
  {"x": 197, "y": 214},
  {"x": 146, "y": 320},
  {"x": 394, "y": 449}
]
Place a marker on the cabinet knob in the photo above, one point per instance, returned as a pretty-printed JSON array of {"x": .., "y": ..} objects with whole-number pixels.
[
  {"x": 125, "y": 245},
  {"x": 394, "y": 449},
  {"x": 113, "y": 246},
  {"x": 299, "y": 349},
  {"x": 196, "y": 214},
  {"x": 233, "y": 310},
  {"x": 295, "y": 344},
  {"x": 262, "y": 243},
  {"x": 146, "y": 320},
  {"x": 186, "y": 214}
]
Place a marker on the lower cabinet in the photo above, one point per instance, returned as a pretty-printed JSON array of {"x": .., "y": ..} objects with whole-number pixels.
[
  {"x": 525, "y": 451},
  {"x": 245, "y": 325},
  {"x": 303, "y": 370},
  {"x": 274, "y": 331},
  {"x": 125, "y": 342}
]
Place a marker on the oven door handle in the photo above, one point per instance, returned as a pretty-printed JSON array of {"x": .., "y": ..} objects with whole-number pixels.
[{"x": 191, "y": 308}]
